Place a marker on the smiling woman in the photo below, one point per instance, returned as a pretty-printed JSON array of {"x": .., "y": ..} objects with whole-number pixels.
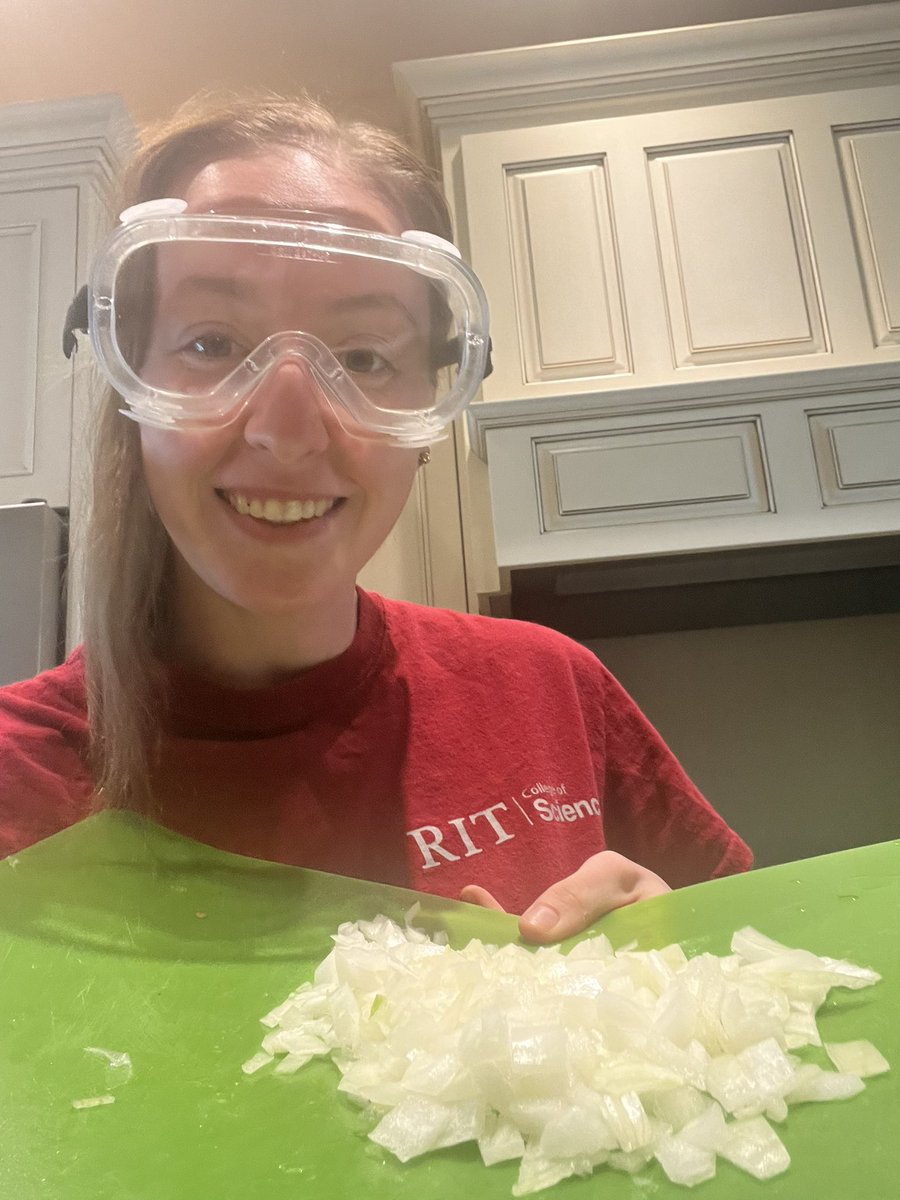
[
  {"x": 283, "y": 319},
  {"x": 276, "y": 157}
]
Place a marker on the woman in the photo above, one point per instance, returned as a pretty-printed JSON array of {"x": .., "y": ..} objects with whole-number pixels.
[{"x": 286, "y": 361}]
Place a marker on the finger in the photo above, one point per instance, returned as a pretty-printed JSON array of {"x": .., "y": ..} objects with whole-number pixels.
[
  {"x": 604, "y": 882},
  {"x": 473, "y": 894}
]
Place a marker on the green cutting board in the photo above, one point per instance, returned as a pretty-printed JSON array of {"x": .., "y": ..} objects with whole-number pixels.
[{"x": 120, "y": 935}]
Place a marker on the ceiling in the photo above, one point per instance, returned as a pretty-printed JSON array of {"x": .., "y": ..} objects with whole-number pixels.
[{"x": 159, "y": 52}]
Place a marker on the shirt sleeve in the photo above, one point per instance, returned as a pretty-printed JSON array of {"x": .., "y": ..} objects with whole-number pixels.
[
  {"x": 653, "y": 813},
  {"x": 45, "y": 784}
]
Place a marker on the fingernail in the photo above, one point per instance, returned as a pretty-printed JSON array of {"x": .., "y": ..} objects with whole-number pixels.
[{"x": 542, "y": 917}]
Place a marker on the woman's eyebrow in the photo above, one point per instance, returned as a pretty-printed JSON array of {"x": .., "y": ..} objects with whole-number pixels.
[
  {"x": 219, "y": 285},
  {"x": 237, "y": 288},
  {"x": 374, "y": 301}
]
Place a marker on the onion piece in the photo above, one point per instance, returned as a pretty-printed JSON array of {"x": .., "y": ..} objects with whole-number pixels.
[
  {"x": 746, "y": 1083},
  {"x": 118, "y": 1064},
  {"x": 538, "y": 1172},
  {"x": 417, "y": 1125},
  {"x": 684, "y": 1163},
  {"x": 754, "y": 1146},
  {"x": 857, "y": 1058},
  {"x": 707, "y": 1131},
  {"x": 812, "y": 1083},
  {"x": 577, "y": 1130},
  {"x": 500, "y": 1141},
  {"x": 678, "y": 1106},
  {"x": 94, "y": 1101},
  {"x": 257, "y": 1062}
]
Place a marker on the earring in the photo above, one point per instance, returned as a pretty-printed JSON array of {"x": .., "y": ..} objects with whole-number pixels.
[{"x": 425, "y": 456}]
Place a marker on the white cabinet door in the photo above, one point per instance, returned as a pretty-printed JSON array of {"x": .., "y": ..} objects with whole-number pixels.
[
  {"x": 870, "y": 165},
  {"x": 709, "y": 243},
  {"x": 38, "y": 246},
  {"x": 708, "y": 478}
]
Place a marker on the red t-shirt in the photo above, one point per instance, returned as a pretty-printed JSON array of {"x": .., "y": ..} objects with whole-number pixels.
[{"x": 438, "y": 750}]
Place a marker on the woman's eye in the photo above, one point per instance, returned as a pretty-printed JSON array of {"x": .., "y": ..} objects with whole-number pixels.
[
  {"x": 362, "y": 361},
  {"x": 210, "y": 346}
]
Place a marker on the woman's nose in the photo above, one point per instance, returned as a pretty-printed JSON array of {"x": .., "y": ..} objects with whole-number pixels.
[{"x": 289, "y": 415}]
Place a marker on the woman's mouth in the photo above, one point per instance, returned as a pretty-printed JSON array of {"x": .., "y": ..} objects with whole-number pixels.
[{"x": 279, "y": 512}]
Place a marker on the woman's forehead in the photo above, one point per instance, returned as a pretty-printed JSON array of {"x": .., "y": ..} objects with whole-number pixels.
[
  {"x": 265, "y": 277},
  {"x": 292, "y": 179}
]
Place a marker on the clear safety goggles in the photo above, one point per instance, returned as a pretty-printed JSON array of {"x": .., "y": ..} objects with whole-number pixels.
[{"x": 189, "y": 313}]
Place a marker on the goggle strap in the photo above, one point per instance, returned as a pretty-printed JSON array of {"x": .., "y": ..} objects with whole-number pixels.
[
  {"x": 488, "y": 364},
  {"x": 76, "y": 321},
  {"x": 449, "y": 354}
]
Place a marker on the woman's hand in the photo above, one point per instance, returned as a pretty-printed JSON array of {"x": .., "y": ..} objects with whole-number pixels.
[{"x": 603, "y": 882}]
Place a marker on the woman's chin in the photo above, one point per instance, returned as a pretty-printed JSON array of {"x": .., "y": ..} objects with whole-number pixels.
[{"x": 264, "y": 603}]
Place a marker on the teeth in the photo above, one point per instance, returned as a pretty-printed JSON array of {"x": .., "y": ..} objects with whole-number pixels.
[{"x": 277, "y": 511}]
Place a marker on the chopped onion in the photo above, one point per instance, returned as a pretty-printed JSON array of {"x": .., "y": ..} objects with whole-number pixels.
[
  {"x": 418, "y": 1124},
  {"x": 94, "y": 1101},
  {"x": 500, "y": 1142},
  {"x": 812, "y": 1083},
  {"x": 684, "y": 1163},
  {"x": 746, "y": 1083},
  {"x": 118, "y": 1064},
  {"x": 755, "y": 1146},
  {"x": 568, "y": 1062},
  {"x": 259, "y": 1060},
  {"x": 857, "y": 1058}
]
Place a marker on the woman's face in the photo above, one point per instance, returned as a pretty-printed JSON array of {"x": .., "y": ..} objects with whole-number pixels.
[{"x": 280, "y": 508}]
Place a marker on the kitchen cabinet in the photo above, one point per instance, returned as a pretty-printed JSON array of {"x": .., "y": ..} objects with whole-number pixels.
[
  {"x": 58, "y": 163},
  {"x": 652, "y": 253},
  {"x": 38, "y": 246},
  {"x": 702, "y": 243},
  {"x": 669, "y": 478},
  {"x": 690, "y": 246}
]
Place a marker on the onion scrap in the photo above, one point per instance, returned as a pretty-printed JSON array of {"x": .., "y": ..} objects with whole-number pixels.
[{"x": 569, "y": 1061}]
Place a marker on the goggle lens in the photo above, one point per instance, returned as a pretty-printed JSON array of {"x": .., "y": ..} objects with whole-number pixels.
[{"x": 193, "y": 318}]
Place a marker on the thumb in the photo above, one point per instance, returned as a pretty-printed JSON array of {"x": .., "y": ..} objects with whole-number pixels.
[{"x": 603, "y": 882}]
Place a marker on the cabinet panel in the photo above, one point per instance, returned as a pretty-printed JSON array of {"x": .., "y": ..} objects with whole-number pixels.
[
  {"x": 737, "y": 261},
  {"x": 20, "y": 259},
  {"x": 870, "y": 162},
  {"x": 857, "y": 454},
  {"x": 38, "y": 246},
  {"x": 585, "y": 335},
  {"x": 659, "y": 472},
  {"x": 560, "y": 231}
]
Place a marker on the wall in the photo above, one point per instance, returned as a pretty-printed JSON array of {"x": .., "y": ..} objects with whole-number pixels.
[{"x": 792, "y": 731}]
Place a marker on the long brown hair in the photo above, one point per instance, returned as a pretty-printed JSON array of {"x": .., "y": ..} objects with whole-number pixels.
[{"x": 127, "y": 550}]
